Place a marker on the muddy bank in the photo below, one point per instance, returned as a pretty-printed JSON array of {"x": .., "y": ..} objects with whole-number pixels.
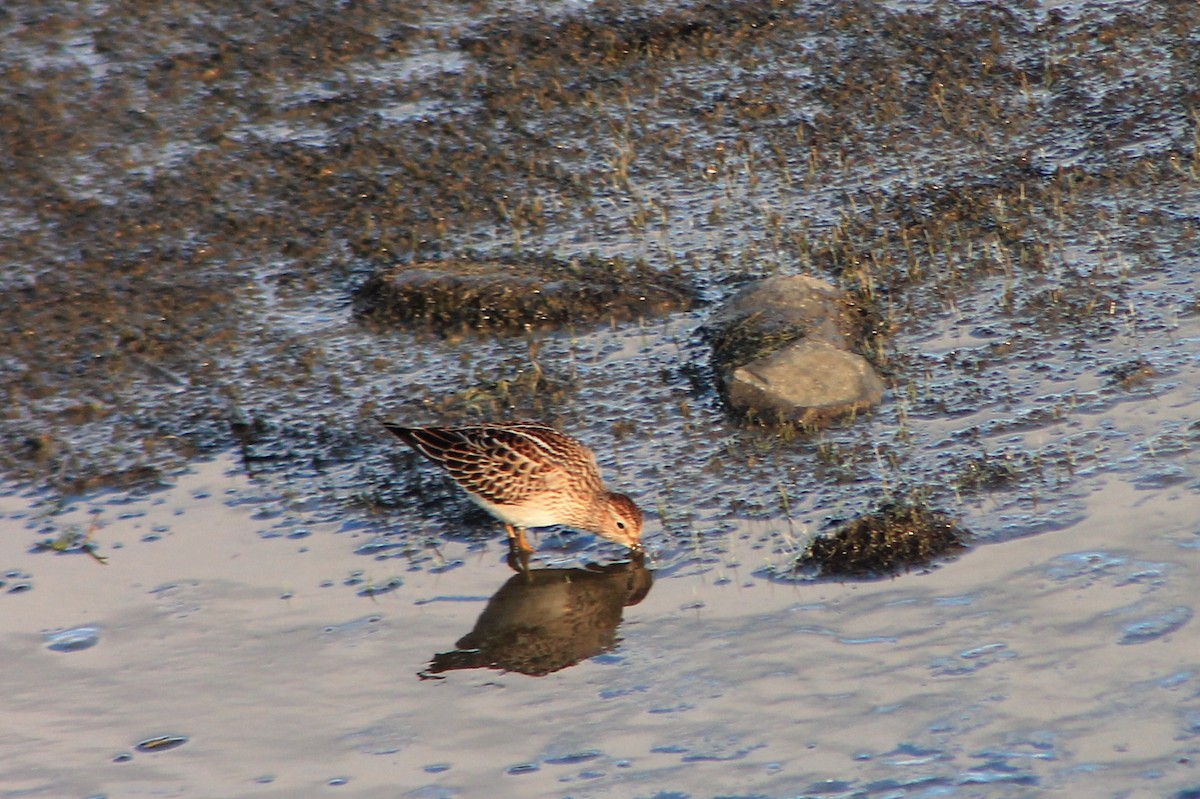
[{"x": 193, "y": 200}]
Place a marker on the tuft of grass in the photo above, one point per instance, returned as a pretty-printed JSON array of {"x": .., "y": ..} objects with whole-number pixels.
[
  {"x": 746, "y": 342},
  {"x": 1130, "y": 374}
]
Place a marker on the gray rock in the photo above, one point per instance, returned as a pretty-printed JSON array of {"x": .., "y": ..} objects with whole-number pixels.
[
  {"x": 781, "y": 353},
  {"x": 809, "y": 304},
  {"x": 805, "y": 381}
]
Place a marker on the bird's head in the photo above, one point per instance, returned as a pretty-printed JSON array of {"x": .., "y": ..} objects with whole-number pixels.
[{"x": 621, "y": 521}]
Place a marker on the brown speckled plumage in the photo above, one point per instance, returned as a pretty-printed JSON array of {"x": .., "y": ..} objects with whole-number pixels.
[{"x": 528, "y": 475}]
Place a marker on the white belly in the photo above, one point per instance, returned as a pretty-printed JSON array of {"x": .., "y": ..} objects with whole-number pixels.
[{"x": 518, "y": 515}]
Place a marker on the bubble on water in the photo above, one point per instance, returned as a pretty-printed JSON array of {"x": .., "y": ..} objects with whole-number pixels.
[
  {"x": 351, "y": 632},
  {"x": 73, "y": 640},
  {"x": 572, "y": 758},
  {"x": 161, "y": 743},
  {"x": 523, "y": 768},
  {"x": 1149, "y": 629}
]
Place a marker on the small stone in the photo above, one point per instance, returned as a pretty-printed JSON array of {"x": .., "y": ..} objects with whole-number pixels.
[
  {"x": 806, "y": 381},
  {"x": 796, "y": 301},
  {"x": 781, "y": 351}
]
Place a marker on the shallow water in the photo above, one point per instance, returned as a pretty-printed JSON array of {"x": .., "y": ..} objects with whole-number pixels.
[{"x": 1064, "y": 661}]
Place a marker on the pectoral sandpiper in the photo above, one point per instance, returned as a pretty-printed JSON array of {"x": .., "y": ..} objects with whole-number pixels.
[{"x": 528, "y": 475}]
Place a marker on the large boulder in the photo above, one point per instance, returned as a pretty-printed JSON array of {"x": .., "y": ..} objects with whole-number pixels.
[{"x": 781, "y": 352}]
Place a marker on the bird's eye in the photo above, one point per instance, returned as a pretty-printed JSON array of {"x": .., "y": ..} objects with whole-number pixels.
[{"x": 620, "y": 525}]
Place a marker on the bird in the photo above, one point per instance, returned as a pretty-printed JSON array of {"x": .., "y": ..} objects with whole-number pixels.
[{"x": 528, "y": 474}]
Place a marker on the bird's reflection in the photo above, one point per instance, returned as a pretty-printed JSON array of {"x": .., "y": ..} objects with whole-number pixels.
[{"x": 543, "y": 620}]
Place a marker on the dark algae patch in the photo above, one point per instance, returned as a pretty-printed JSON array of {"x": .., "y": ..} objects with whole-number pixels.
[
  {"x": 455, "y": 296},
  {"x": 896, "y": 538}
]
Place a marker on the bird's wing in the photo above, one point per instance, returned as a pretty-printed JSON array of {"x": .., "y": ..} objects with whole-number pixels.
[{"x": 506, "y": 465}]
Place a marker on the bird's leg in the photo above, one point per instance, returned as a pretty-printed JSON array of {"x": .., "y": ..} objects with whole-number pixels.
[
  {"x": 518, "y": 561},
  {"x": 516, "y": 537},
  {"x": 525, "y": 546},
  {"x": 518, "y": 550}
]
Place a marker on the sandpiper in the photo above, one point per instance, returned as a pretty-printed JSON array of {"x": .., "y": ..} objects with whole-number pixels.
[{"x": 528, "y": 475}]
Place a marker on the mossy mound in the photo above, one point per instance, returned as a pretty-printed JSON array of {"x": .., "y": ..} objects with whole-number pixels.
[
  {"x": 896, "y": 538},
  {"x": 456, "y": 296}
]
